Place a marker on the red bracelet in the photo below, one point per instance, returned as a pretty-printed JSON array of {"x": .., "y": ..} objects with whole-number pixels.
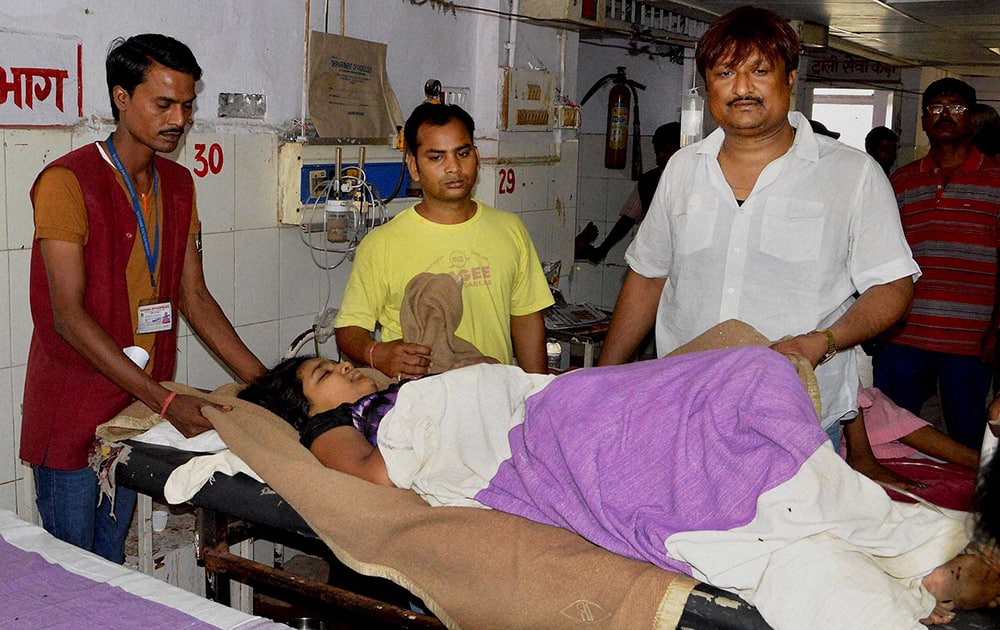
[
  {"x": 166, "y": 403},
  {"x": 371, "y": 354}
]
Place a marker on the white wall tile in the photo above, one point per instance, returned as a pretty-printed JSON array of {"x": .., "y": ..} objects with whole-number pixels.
[
  {"x": 611, "y": 285},
  {"x": 17, "y": 391},
  {"x": 203, "y": 369},
  {"x": 562, "y": 187},
  {"x": 534, "y": 189},
  {"x": 256, "y": 279},
  {"x": 181, "y": 371},
  {"x": 540, "y": 229},
  {"x": 218, "y": 260},
  {"x": 510, "y": 186},
  {"x": 25, "y": 491},
  {"x": 5, "y": 357},
  {"x": 8, "y": 446},
  {"x": 86, "y": 134},
  {"x": 592, "y": 200},
  {"x": 27, "y": 151},
  {"x": 262, "y": 339},
  {"x": 211, "y": 158},
  {"x": 19, "y": 262},
  {"x": 585, "y": 283},
  {"x": 300, "y": 280},
  {"x": 592, "y": 155},
  {"x": 8, "y": 496},
  {"x": 256, "y": 175},
  {"x": 486, "y": 185},
  {"x": 3, "y": 190},
  {"x": 618, "y": 192},
  {"x": 563, "y": 233}
]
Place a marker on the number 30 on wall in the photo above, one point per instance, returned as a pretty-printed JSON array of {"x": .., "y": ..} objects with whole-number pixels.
[
  {"x": 507, "y": 181},
  {"x": 208, "y": 159}
]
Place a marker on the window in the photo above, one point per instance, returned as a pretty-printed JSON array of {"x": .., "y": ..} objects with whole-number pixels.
[{"x": 852, "y": 112}]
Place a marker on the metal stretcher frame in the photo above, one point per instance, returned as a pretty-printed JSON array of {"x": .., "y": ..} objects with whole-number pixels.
[{"x": 232, "y": 509}]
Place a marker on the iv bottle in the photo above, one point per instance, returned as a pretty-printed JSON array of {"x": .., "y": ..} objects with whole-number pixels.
[{"x": 692, "y": 117}]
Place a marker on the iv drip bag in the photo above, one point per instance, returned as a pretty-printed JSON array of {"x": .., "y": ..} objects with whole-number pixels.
[{"x": 692, "y": 116}]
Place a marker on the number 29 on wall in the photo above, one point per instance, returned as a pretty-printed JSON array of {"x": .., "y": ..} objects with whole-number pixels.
[
  {"x": 208, "y": 159},
  {"x": 507, "y": 181}
]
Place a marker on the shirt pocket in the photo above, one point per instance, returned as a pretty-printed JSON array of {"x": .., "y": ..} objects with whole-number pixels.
[
  {"x": 694, "y": 223},
  {"x": 792, "y": 229}
]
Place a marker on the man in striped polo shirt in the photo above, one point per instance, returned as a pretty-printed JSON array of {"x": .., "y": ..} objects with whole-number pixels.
[{"x": 949, "y": 202}]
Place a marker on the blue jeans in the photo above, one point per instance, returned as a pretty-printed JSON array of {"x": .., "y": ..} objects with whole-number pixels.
[
  {"x": 910, "y": 376},
  {"x": 67, "y": 503}
]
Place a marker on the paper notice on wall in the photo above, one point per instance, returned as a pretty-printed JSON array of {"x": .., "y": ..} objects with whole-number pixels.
[{"x": 349, "y": 91}]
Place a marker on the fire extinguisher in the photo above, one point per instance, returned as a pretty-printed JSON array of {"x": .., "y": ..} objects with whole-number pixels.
[
  {"x": 619, "y": 106},
  {"x": 616, "y": 137}
]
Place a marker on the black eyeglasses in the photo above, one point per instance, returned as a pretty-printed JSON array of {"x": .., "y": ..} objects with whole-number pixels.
[{"x": 937, "y": 109}]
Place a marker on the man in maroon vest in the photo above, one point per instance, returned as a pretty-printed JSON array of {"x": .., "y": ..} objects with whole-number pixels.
[{"x": 115, "y": 260}]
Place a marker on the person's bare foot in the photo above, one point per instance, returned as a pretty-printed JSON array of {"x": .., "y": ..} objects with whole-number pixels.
[{"x": 969, "y": 580}]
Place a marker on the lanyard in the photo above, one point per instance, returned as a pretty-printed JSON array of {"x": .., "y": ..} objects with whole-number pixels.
[{"x": 152, "y": 254}]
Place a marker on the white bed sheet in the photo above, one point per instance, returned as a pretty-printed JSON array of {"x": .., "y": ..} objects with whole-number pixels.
[{"x": 28, "y": 537}]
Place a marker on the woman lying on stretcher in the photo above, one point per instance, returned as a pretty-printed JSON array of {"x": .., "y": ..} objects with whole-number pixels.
[{"x": 712, "y": 464}]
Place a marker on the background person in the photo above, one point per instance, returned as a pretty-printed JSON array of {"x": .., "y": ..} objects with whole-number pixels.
[
  {"x": 949, "y": 202},
  {"x": 666, "y": 142},
  {"x": 504, "y": 289},
  {"x": 115, "y": 260},
  {"x": 882, "y": 144},
  {"x": 766, "y": 222}
]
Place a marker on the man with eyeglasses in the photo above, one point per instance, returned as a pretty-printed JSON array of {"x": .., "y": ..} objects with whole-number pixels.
[{"x": 949, "y": 202}]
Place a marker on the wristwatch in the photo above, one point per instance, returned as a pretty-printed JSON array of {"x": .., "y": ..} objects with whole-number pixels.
[{"x": 831, "y": 344}]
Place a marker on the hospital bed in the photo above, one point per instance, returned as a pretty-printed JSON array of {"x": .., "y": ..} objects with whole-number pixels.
[
  {"x": 473, "y": 568},
  {"x": 45, "y": 582}
]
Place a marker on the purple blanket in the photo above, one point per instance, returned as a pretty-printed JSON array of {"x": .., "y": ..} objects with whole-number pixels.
[
  {"x": 35, "y": 593},
  {"x": 628, "y": 456}
]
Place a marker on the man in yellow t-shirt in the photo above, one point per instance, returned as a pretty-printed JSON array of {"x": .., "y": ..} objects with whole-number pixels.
[{"x": 503, "y": 287}]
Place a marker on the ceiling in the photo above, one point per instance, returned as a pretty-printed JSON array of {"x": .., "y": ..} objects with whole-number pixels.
[{"x": 955, "y": 35}]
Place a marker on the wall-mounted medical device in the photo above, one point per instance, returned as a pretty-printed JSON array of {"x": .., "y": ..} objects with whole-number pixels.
[{"x": 306, "y": 170}]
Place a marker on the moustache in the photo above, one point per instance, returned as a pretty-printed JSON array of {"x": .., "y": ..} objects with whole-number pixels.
[
  {"x": 172, "y": 131},
  {"x": 745, "y": 99}
]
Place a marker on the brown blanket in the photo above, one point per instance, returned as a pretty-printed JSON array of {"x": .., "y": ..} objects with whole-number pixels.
[{"x": 430, "y": 314}]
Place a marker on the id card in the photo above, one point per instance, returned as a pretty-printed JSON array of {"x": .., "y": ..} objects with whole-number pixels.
[{"x": 155, "y": 318}]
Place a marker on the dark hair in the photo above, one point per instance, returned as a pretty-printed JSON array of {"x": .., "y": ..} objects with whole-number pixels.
[
  {"x": 667, "y": 135},
  {"x": 986, "y": 504},
  {"x": 745, "y": 30},
  {"x": 822, "y": 129},
  {"x": 129, "y": 59},
  {"x": 436, "y": 114},
  {"x": 950, "y": 86},
  {"x": 878, "y": 134},
  {"x": 279, "y": 391}
]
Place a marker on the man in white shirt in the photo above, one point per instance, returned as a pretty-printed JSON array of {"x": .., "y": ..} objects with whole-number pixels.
[{"x": 766, "y": 222}]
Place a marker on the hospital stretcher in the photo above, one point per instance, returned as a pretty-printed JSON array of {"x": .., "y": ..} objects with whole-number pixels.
[
  {"x": 231, "y": 509},
  {"x": 45, "y": 582}
]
